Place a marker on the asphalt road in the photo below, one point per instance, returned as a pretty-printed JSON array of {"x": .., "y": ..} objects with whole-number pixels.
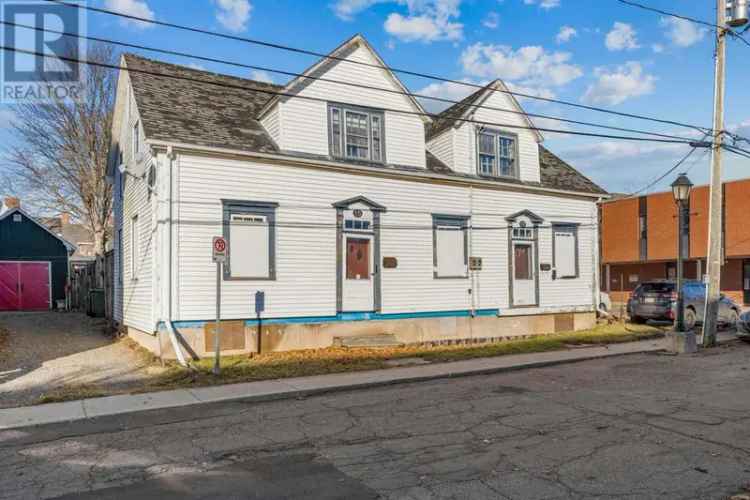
[{"x": 644, "y": 426}]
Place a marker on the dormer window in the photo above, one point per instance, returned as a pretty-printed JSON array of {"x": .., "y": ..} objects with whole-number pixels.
[
  {"x": 497, "y": 153},
  {"x": 355, "y": 133}
]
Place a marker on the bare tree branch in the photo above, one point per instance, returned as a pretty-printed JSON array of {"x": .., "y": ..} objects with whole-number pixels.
[{"x": 59, "y": 158}]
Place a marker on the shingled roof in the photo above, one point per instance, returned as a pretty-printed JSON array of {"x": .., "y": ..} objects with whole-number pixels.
[{"x": 189, "y": 106}]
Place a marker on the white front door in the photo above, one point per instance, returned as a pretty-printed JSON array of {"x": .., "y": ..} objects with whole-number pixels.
[
  {"x": 523, "y": 273},
  {"x": 358, "y": 291}
]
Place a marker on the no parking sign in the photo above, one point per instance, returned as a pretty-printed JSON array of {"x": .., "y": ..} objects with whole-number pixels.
[{"x": 220, "y": 249}]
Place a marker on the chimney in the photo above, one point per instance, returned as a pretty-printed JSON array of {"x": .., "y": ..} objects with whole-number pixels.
[
  {"x": 12, "y": 202},
  {"x": 64, "y": 219}
]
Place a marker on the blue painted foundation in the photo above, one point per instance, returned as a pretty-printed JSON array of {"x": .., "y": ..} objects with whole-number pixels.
[{"x": 348, "y": 316}]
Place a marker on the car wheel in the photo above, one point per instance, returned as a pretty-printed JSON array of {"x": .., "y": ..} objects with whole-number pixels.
[
  {"x": 637, "y": 320},
  {"x": 690, "y": 319},
  {"x": 734, "y": 318}
]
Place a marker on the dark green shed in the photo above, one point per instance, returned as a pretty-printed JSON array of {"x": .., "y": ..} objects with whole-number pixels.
[{"x": 33, "y": 263}]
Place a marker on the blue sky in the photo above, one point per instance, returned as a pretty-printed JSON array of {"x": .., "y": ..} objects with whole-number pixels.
[{"x": 597, "y": 52}]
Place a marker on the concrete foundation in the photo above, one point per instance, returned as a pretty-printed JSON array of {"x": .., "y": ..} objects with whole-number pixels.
[{"x": 240, "y": 337}]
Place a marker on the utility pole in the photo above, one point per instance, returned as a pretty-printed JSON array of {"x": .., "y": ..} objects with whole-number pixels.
[{"x": 713, "y": 290}]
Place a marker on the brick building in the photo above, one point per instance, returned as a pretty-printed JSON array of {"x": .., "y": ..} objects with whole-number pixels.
[{"x": 639, "y": 240}]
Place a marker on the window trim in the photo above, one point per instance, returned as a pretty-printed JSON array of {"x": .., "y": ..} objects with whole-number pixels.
[
  {"x": 260, "y": 208},
  {"x": 516, "y": 159},
  {"x": 573, "y": 228},
  {"x": 370, "y": 112},
  {"x": 461, "y": 221}
]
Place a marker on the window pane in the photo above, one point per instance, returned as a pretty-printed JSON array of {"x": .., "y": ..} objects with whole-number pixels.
[
  {"x": 506, "y": 167},
  {"x": 357, "y": 259},
  {"x": 487, "y": 143},
  {"x": 335, "y": 132},
  {"x": 377, "y": 132},
  {"x": 565, "y": 253},
  {"x": 507, "y": 154},
  {"x": 486, "y": 164},
  {"x": 450, "y": 251},
  {"x": 357, "y": 141},
  {"x": 522, "y": 262},
  {"x": 249, "y": 241}
]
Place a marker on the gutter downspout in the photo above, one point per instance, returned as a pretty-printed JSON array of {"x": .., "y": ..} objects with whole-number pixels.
[
  {"x": 596, "y": 254},
  {"x": 168, "y": 320}
]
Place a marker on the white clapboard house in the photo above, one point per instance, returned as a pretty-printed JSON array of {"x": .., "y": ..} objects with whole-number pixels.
[{"x": 351, "y": 209}]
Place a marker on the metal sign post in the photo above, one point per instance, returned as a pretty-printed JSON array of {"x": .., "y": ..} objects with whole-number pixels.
[
  {"x": 220, "y": 252},
  {"x": 260, "y": 306}
]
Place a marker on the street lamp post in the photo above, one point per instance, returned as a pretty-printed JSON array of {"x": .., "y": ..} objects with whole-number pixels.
[{"x": 681, "y": 188}]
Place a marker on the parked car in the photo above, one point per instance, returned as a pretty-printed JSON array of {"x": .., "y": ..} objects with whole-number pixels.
[
  {"x": 743, "y": 326},
  {"x": 657, "y": 300}
]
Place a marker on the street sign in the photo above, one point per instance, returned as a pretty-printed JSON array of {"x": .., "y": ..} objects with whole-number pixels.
[
  {"x": 260, "y": 302},
  {"x": 220, "y": 249}
]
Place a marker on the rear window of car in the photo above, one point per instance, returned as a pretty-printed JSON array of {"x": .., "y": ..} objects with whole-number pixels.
[{"x": 656, "y": 288}]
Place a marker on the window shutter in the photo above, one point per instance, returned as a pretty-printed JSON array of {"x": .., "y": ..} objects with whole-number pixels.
[{"x": 565, "y": 253}]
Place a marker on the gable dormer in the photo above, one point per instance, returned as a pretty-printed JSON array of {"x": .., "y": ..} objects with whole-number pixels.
[
  {"x": 345, "y": 122},
  {"x": 485, "y": 145}
]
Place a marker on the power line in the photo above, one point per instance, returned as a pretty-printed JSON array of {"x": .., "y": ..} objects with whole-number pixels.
[
  {"x": 687, "y": 18},
  {"x": 665, "y": 174},
  {"x": 328, "y": 80},
  {"x": 318, "y": 99},
  {"x": 363, "y": 63}
]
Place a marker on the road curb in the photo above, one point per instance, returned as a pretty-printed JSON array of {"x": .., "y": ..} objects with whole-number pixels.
[{"x": 279, "y": 389}]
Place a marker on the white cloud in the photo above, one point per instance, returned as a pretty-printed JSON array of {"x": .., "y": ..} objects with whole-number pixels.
[
  {"x": 347, "y": 9},
  {"x": 616, "y": 86},
  {"x": 682, "y": 32},
  {"x": 425, "y": 20},
  {"x": 657, "y": 48},
  {"x": 622, "y": 37},
  {"x": 446, "y": 90},
  {"x": 193, "y": 65},
  {"x": 565, "y": 34},
  {"x": 233, "y": 14},
  {"x": 261, "y": 76},
  {"x": 530, "y": 66},
  {"x": 137, "y": 8},
  {"x": 544, "y": 4},
  {"x": 492, "y": 21}
]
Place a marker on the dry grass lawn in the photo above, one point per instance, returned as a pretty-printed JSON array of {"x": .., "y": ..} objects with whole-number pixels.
[{"x": 235, "y": 369}]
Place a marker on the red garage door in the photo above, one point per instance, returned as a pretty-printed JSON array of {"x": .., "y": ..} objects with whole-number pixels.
[{"x": 24, "y": 286}]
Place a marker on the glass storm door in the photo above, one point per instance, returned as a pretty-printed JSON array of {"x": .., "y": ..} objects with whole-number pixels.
[{"x": 358, "y": 294}]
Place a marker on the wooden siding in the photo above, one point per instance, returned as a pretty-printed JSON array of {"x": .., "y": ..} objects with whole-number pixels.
[
  {"x": 306, "y": 241},
  {"x": 662, "y": 227},
  {"x": 272, "y": 123},
  {"x": 134, "y": 291},
  {"x": 304, "y": 123},
  {"x": 620, "y": 236},
  {"x": 442, "y": 147},
  {"x": 465, "y": 159},
  {"x": 27, "y": 241}
]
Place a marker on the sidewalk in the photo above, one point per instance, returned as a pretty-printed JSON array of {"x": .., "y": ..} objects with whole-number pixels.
[{"x": 305, "y": 386}]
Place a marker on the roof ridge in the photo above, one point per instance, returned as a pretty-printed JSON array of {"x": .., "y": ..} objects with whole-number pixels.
[{"x": 180, "y": 67}]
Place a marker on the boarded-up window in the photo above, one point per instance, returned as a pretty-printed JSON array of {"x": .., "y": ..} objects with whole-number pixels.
[
  {"x": 566, "y": 251},
  {"x": 249, "y": 227},
  {"x": 522, "y": 262},
  {"x": 357, "y": 259},
  {"x": 248, "y": 236},
  {"x": 450, "y": 247}
]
